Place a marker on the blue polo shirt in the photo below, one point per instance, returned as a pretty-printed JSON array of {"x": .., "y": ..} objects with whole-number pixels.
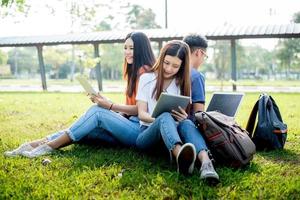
[{"x": 198, "y": 90}]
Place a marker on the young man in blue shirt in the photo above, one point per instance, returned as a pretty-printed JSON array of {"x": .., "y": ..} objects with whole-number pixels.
[{"x": 198, "y": 45}]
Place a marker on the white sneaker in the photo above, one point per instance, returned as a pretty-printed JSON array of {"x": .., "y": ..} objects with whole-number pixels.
[
  {"x": 207, "y": 172},
  {"x": 186, "y": 159},
  {"x": 19, "y": 150},
  {"x": 38, "y": 151}
]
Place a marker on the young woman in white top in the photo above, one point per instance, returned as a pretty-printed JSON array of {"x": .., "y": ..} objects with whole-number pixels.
[{"x": 171, "y": 74}]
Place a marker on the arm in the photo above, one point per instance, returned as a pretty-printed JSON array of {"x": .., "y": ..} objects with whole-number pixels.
[
  {"x": 198, "y": 92},
  {"x": 127, "y": 109},
  {"x": 105, "y": 103},
  {"x": 198, "y": 107},
  {"x": 143, "y": 112}
]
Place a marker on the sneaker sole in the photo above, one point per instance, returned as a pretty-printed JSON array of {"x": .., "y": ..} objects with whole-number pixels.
[
  {"x": 10, "y": 155},
  {"x": 186, "y": 159},
  {"x": 212, "y": 180}
]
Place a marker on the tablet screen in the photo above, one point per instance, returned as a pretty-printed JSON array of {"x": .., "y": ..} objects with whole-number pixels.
[
  {"x": 167, "y": 102},
  {"x": 86, "y": 85}
]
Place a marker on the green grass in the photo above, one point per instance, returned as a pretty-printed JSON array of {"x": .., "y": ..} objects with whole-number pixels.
[{"x": 90, "y": 172}]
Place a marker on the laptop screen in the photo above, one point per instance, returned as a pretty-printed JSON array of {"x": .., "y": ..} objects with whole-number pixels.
[{"x": 226, "y": 103}]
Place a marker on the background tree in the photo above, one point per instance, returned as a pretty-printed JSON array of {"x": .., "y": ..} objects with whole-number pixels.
[
  {"x": 111, "y": 54},
  {"x": 88, "y": 16},
  {"x": 23, "y": 60},
  {"x": 56, "y": 57},
  {"x": 221, "y": 59},
  {"x": 288, "y": 52},
  {"x": 5, "y": 3},
  {"x": 255, "y": 62},
  {"x": 141, "y": 18},
  {"x": 3, "y": 58}
]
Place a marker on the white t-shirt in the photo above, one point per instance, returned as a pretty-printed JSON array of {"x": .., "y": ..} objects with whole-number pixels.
[{"x": 146, "y": 86}]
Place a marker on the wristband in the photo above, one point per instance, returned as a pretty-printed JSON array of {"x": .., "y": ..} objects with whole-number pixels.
[{"x": 111, "y": 106}]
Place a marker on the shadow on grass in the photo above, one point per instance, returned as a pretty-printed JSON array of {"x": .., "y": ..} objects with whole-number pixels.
[
  {"x": 106, "y": 154},
  {"x": 280, "y": 156},
  {"x": 152, "y": 169}
]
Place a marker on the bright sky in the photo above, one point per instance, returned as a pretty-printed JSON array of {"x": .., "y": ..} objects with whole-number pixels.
[{"x": 186, "y": 14}]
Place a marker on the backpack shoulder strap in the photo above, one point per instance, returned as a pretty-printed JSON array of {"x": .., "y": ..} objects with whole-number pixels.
[
  {"x": 275, "y": 108},
  {"x": 251, "y": 120}
]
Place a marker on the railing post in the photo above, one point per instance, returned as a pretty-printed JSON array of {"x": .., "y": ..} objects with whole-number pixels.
[
  {"x": 233, "y": 64},
  {"x": 42, "y": 66},
  {"x": 98, "y": 66}
]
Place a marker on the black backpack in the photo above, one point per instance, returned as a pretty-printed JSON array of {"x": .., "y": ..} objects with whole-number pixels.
[{"x": 270, "y": 132}]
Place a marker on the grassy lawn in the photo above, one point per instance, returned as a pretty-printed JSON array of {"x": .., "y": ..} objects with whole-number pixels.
[{"x": 99, "y": 172}]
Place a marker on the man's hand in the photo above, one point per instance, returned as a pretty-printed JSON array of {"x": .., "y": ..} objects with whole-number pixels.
[{"x": 179, "y": 115}]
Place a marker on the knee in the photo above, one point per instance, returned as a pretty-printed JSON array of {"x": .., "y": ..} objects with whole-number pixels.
[
  {"x": 165, "y": 116},
  {"x": 94, "y": 109},
  {"x": 185, "y": 124},
  {"x": 140, "y": 144}
]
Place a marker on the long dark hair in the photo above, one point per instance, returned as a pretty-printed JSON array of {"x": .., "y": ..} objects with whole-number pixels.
[
  {"x": 142, "y": 55},
  {"x": 182, "y": 51}
]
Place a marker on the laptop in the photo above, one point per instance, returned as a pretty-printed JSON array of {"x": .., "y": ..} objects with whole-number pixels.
[{"x": 226, "y": 103}]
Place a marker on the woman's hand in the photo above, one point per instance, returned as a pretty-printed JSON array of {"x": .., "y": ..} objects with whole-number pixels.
[
  {"x": 101, "y": 101},
  {"x": 179, "y": 115}
]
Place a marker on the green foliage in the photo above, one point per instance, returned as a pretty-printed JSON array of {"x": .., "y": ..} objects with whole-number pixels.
[
  {"x": 221, "y": 59},
  {"x": 288, "y": 51},
  {"x": 3, "y": 58},
  {"x": 56, "y": 57},
  {"x": 22, "y": 60},
  {"x": 6, "y": 3},
  {"x": 296, "y": 17},
  {"x": 99, "y": 172},
  {"x": 83, "y": 14},
  {"x": 255, "y": 60},
  {"x": 112, "y": 60},
  {"x": 141, "y": 18},
  {"x": 17, "y": 9}
]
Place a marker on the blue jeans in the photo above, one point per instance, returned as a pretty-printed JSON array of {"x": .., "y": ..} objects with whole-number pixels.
[
  {"x": 103, "y": 124},
  {"x": 165, "y": 128},
  {"x": 189, "y": 133}
]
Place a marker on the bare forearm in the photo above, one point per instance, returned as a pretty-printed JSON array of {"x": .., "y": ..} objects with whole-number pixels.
[
  {"x": 146, "y": 117},
  {"x": 198, "y": 107},
  {"x": 127, "y": 109}
]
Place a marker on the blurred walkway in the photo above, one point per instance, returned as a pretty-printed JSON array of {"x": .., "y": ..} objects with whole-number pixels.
[{"x": 107, "y": 88}]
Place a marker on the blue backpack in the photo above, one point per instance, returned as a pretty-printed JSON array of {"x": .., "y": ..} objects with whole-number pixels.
[{"x": 270, "y": 132}]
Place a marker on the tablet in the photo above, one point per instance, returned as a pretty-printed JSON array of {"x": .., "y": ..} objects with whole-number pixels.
[
  {"x": 86, "y": 85},
  {"x": 168, "y": 102}
]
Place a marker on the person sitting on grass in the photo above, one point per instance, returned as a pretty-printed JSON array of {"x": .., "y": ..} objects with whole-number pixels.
[
  {"x": 198, "y": 45},
  {"x": 171, "y": 74},
  {"x": 104, "y": 121}
]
